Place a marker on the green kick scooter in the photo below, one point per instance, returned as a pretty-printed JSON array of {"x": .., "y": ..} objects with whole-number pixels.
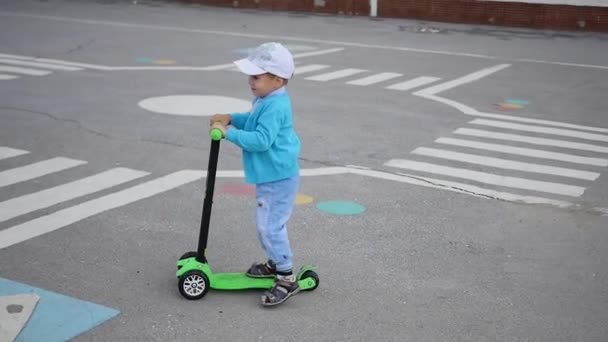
[{"x": 194, "y": 273}]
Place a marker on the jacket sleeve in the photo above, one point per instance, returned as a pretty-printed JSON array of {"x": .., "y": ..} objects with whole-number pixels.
[
  {"x": 266, "y": 131},
  {"x": 238, "y": 119}
]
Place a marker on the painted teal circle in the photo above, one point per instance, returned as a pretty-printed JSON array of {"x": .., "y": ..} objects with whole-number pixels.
[{"x": 341, "y": 207}]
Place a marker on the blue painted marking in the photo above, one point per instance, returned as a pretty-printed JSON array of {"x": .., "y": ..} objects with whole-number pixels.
[
  {"x": 144, "y": 60},
  {"x": 56, "y": 317},
  {"x": 341, "y": 207}
]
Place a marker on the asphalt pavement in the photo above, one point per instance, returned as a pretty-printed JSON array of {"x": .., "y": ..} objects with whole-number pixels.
[{"x": 478, "y": 155}]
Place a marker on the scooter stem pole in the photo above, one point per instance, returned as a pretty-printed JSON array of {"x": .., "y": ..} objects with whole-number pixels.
[{"x": 208, "y": 202}]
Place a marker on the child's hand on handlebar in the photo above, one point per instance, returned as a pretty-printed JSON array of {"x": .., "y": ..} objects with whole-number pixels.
[
  {"x": 224, "y": 119},
  {"x": 220, "y": 126}
]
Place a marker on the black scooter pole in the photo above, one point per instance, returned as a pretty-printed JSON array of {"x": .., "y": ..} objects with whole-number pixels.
[{"x": 216, "y": 136}]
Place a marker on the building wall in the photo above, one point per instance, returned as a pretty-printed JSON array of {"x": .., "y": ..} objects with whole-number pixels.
[{"x": 587, "y": 15}]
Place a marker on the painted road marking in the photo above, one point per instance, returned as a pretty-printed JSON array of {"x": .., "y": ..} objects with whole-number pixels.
[
  {"x": 309, "y": 68},
  {"x": 528, "y": 152},
  {"x": 7, "y": 152},
  {"x": 36, "y": 170},
  {"x": 413, "y": 83},
  {"x": 42, "y": 199},
  {"x": 472, "y": 77},
  {"x": 15, "y": 311},
  {"x": 24, "y": 71},
  {"x": 64, "y": 217},
  {"x": 54, "y": 61},
  {"x": 431, "y": 94},
  {"x": 39, "y": 65},
  {"x": 531, "y": 140},
  {"x": 488, "y": 178},
  {"x": 335, "y": 74},
  {"x": 488, "y": 193},
  {"x": 55, "y": 317},
  {"x": 292, "y": 38},
  {"x": 317, "y": 53},
  {"x": 540, "y": 129},
  {"x": 377, "y": 78},
  {"x": 505, "y": 163},
  {"x": 8, "y": 77}
]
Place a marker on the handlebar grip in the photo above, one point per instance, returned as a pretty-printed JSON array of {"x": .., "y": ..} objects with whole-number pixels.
[{"x": 216, "y": 134}]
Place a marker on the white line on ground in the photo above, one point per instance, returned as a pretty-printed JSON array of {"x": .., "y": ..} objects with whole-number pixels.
[
  {"x": 413, "y": 83},
  {"x": 373, "y": 79},
  {"x": 23, "y": 71},
  {"x": 289, "y": 38},
  {"x": 38, "y": 65},
  {"x": 309, "y": 68},
  {"x": 488, "y": 178},
  {"x": 42, "y": 199},
  {"x": 505, "y": 163},
  {"x": 7, "y": 152},
  {"x": 531, "y": 140},
  {"x": 477, "y": 75},
  {"x": 335, "y": 75},
  {"x": 55, "y": 61},
  {"x": 8, "y": 77},
  {"x": 64, "y": 217},
  {"x": 431, "y": 94},
  {"x": 542, "y": 154},
  {"x": 37, "y": 169},
  {"x": 540, "y": 129}
]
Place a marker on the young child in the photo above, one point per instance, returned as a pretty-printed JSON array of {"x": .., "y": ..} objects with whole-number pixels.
[{"x": 271, "y": 149}]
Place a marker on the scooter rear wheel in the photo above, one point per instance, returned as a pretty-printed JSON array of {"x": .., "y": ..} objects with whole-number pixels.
[{"x": 193, "y": 285}]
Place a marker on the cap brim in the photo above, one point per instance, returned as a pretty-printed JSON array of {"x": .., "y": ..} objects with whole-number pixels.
[{"x": 248, "y": 68}]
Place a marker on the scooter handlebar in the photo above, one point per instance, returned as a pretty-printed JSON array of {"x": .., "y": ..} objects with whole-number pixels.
[{"x": 216, "y": 134}]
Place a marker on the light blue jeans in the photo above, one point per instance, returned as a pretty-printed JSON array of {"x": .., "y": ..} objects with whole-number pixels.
[{"x": 275, "y": 202}]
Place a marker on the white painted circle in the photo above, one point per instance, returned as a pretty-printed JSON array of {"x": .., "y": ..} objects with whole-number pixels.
[{"x": 194, "y": 105}]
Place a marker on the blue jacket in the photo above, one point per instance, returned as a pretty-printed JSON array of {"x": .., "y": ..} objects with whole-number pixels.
[{"x": 266, "y": 135}]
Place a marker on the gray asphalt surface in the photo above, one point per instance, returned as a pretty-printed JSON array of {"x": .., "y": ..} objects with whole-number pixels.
[{"x": 422, "y": 263}]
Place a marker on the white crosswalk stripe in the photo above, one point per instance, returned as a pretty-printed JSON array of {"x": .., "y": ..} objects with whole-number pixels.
[
  {"x": 309, "y": 68},
  {"x": 24, "y": 71},
  {"x": 413, "y": 83},
  {"x": 15, "y": 66},
  {"x": 505, "y": 163},
  {"x": 46, "y": 198},
  {"x": 38, "y": 65},
  {"x": 17, "y": 207},
  {"x": 531, "y": 140},
  {"x": 528, "y": 152},
  {"x": 489, "y": 178},
  {"x": 373, "y": 79},
  {"x": 7, "y": 152},
  {"x": 541, "y": 129},
  {"x": 335, "y": 75},
  {"x": 8, "y": 77},
  {"x": 38, "y": 169},
  {"x": 466, "y": 163}
]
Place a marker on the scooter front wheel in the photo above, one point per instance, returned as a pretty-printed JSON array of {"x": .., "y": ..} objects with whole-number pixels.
[
  {"x": 194, "y": 285},
  {"x": 315, "y": 278}
]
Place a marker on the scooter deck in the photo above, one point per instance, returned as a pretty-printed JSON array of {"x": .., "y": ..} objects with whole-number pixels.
[{"x": 238, "y": 281}]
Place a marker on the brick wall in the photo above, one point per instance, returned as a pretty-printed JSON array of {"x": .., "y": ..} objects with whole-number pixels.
[
  {"x": 499, "y": 13},
  {"x": 503, "y": 13}
]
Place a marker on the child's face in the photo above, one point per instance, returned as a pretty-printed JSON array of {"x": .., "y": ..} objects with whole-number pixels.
[{"x": 262, "y": 85}]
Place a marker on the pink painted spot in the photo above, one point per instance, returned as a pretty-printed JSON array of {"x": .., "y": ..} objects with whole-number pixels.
[{"x": 238, "y": 189}]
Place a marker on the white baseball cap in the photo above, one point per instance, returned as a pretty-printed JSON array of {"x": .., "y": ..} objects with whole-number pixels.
[{"x": 269, "y": 57}]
